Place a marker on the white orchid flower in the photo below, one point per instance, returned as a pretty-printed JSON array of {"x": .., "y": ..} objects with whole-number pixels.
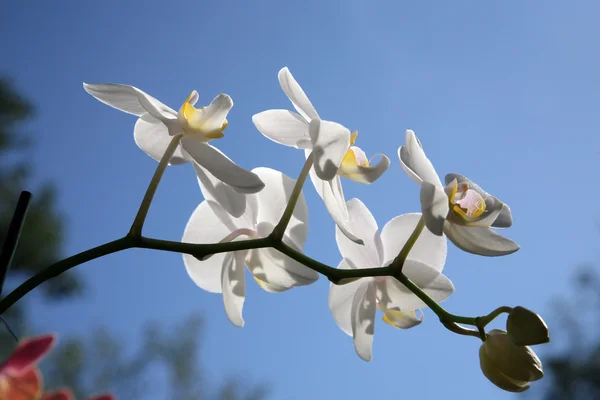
[
  {"x": 224, "y": 272},
  {"x": 460, "y": 209},
  {"x": 331, "y": 144},
  {"x": 353, "y": 305},
  {"x": 158, "y": 123}
]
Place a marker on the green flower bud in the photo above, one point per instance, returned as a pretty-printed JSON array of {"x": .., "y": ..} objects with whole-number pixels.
[
  {"x": 526, "y": 328},
  {"x": 506, "y": 365}
]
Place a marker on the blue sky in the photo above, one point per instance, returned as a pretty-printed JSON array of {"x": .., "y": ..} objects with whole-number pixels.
[{"x": 505, "y": 93}]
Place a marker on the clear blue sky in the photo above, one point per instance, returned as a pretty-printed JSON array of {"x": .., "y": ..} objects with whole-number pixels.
[{"x": 506, "y": 93}]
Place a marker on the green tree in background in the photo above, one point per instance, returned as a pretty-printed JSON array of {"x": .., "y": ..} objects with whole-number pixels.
[
  {"x": 574, "y": 367},
  {"x": 97, "y": 362},
  {"x": 42, "y": 233}
]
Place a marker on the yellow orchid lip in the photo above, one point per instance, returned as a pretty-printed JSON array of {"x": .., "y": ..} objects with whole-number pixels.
[
  {"x": 470, "y": 205},
  {"x": 191, "y": 119}
]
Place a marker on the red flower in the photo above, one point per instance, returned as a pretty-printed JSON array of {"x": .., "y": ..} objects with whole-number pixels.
[
  {"x": 19, "y": 377},
  {"x": 65, "y": 394}
]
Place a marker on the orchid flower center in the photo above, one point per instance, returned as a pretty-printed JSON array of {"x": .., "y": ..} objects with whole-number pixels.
[
  {"x": 354, "y": 158},
  {"x": 193, "y": 120},
  {"x": 464, "y": 201}
]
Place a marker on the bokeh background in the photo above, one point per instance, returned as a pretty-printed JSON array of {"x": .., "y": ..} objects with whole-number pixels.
[{"x": 506, "y": 93}]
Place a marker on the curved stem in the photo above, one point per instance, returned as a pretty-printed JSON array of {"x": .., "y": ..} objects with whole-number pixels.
[
  {"x": 62, "y": 266},
  {"x": 461, "y": 330},
  {"x": 483, "y": 321},
  {"x": 443, "y": 315},
  {"x": 398, "y": 262},
  {"x": 279, "y": 230},
  {"x": 202, "y": 250},
  {"x": 140, "y": 218}
]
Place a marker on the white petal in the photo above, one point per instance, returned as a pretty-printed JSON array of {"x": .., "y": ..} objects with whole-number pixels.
[
  {"x": 221, "y": 166},
  {"x": 415, "y": 162},
  {"x": 273, "y": 200},
  {"x": 363, "y": 319},
  {"x": 395, "y": 295},
  {"x": 429, "y": 248},
  {"x": 340, "y": 300},
  {"x": 368, "y": 174},
  {"x": 205, "y": 227},
  {"x": 129, "y": 99},
  {"x": 152, "y": 136},
  {"x": 402, "y": 319},
  {"x": 434, "y": 205},
  {"x": 213, "y": 189},
  {"x": 234, "y": 286},
  {"x": 478, "y": 240},
  {"x": 504, "y": 219},
  {"x": 369, "y": 255},
  {"x": 273, "y": 267},
  {"x": 333, "y": 196},
  {"x": 283, "y": 127},
  {"x": 296, "y": 95},
  {"x": 214, "y": 115},
  {"x": 330, "y": 142}
]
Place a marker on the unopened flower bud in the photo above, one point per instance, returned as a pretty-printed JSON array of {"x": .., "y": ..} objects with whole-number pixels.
[
  {"x": 526, "y": 328},
  {"x": 507, "y": 365}
]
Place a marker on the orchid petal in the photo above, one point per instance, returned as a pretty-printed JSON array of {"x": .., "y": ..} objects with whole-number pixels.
[
  {"x": 296, "y": 95},
  {"x": 209, "y": 223},
  {"x": 210, "y": 119},
  {"x": 415, "y": 163},
  {"x": 394, "y": 295},
  {"x": 502, "y": 219},
  {"x": 275, "y": 268},
  {"x": 131, "y": 100},
  {"x": 26, "y": 386},
  {"x": 434, "y": 205},
  {"x": 233, "y": 283},
  {"x": 272, "y": 202},
  {"x": 363, "y": 311},
  {"x": 365, "y": 174},
  {"x": 283, "y": 127},
  {"x": 340, "y": 300},
  {"x": 479, "y": 240},
  {"x": 213, "y": 189},
  {"x": 152, "y": 136},
  {"x": 428, "y": 249},
  {"x": 402, "y": 319},
  {"x": 369, "y": 255},
  {"x": 28, "y": 353},
  {"x": 62, "y": 394},
  {"x": 333, "y": 196},
  {"x": 330, "y": 142},
  {"x": 221, "y": 166}
]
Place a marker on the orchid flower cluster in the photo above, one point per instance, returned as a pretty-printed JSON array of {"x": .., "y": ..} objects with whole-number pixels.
[
  {"x": 20, "y": 379},
  {"x": 258, "y": 220}
]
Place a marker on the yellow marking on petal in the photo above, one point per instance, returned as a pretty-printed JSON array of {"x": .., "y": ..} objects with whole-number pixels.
[
  {"x": 262, "y": 284},
  {"x": 387, "y": 320},
  {"x": 214, "y": 135},
  {"x": 190, "y": 97},
  {"x": 353, "y": 137},
  {"x": 393, "y": 317},
  {"x": 453, "y": 191},
  {"x": 191, "y": 124}
]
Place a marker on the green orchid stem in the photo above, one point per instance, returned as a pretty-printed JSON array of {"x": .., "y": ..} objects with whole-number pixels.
[
  {"x": 398, "y": 262},
  {"x": 279, "y": 230},
  {"x": 443, "y": 315},
  {"x": 202, "y": 250},
  {"x": 140, "y": 218}
]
